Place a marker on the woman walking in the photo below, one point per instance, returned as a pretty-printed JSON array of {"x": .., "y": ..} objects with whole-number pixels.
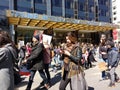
[
  {"x": 36, "y": 61},
  {"x": 7, "y": 56},
  {"x": 72, "y": 54}
]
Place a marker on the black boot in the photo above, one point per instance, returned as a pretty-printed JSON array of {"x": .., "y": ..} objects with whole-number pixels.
[{"x": 29, "y": 85}]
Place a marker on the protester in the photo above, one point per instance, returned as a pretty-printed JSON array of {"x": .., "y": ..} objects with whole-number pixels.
[
  {"x": 28, "y": 49},
  {"x": 35, "y": 61},
  {"x": 103, "y": 54},
  {"x": 22, "y": 51},
  {"x": 47, "y": 60},
  {"x": 112, "y": 63},
  {"x": 72, "y": 55},
  {"x": 8, "y": 55}
]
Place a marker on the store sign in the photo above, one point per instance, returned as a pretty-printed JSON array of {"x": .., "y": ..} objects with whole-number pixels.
[{"x": 23, "y": 14}]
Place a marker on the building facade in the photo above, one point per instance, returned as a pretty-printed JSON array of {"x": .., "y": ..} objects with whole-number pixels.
[
  {"x": 116, "y": 19},
  {"x": 91, "y": 10}
]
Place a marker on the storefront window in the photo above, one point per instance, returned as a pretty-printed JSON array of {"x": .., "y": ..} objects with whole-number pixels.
[
  {"x": 56, "y": 7},
  {"x": 40, "y": 6},
  {"x": 24, "y": 5},
  {"x": 3, "y": 6},
  {"x": 69, "y": 4}
]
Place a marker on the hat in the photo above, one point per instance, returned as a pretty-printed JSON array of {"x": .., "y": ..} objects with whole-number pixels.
[
  {"x": 37, "y": 37},
  {"x": 110, "y": 43}
]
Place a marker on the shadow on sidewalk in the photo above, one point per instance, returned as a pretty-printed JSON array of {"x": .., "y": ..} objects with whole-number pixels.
[
  {"x": 90, "y": 88},
  {"x": 54, "y": 80},
  {"x": 22, "y": 83}
]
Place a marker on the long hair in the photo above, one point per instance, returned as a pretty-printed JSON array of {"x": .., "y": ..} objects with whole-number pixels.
[
  {"x": 4, "y": 40},
  {"x": 5, "y": 35},
  {"x": 72, "y": 36}
]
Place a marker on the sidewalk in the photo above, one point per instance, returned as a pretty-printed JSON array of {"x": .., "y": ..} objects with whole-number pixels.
[
  {"x": 55, "y": 79},
  {"x": 92, "y": 76}
]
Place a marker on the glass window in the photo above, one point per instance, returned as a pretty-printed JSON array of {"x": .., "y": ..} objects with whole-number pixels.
[
  {"x": 102, "y": 2},
  {"x": 24, "y": 5},
  {"x": 81, "y": 6},
  {"x": 40, "y": 6},
  {"x": 114, "y": 18},
  {"x": 4, "y": 5},
  {"x": 91, "y": 8},
  {"x": 114, "y": 7},
  {"x": 57, "y": 3},
  {"x": 69, "y": 4},
  {"x": 102, "y": 12},
  {"x": 56, "y": 7},
  {"x": 40, "y": 1},
  {"x": 114, "y": 13}
]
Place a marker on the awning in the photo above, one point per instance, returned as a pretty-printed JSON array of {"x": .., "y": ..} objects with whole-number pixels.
[{"x": 58, "y": 23}]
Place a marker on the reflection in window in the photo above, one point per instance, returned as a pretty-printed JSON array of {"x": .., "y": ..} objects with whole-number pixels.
[
  {"x": 69, "y": 4},
  {"x": 81, "y": 6},
  {"x": 102, "y": 12},
  {"x": 57, "y": 3},
  {"x": 91, "y": 8},
  {"x": 102, "y": 2},
  {"x": 40, "y": 6},
  {"x": 56, "y": 7},
  {"x": 40, "y": 1},
  {"x": 24, "y": 5},
  {"x": 4, "y": 5}
]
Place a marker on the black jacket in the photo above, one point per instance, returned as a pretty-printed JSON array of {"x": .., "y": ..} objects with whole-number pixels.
[
  {"x": 113, "y": 58},
  {"x": 36, "y": 57}
]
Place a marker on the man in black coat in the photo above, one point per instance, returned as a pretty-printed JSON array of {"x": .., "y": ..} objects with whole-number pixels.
[{"x": 36, "y": 59}]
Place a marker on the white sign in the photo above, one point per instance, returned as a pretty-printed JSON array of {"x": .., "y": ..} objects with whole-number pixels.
[{"x": 47, "y": 39}]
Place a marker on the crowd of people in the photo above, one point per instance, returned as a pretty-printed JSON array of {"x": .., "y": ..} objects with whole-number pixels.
[{"x": 71, "y": 57}]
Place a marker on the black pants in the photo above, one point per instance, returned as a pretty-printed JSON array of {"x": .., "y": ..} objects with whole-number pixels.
[
  {"x": 64, "y": 82},
  {"x": 47, "y": 72},
  {"x": 42, "y": 74}
]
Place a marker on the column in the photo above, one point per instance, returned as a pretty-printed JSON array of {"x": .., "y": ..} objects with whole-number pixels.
[
  {"x": 48, "y": 2},
  {"x": 32, "y": 6},
  {"x": 11, "y": 27},
  {"x": 63, "y": 8}
]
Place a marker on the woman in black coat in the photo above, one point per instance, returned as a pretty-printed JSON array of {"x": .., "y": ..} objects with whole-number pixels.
[{"x": 36, "y": 58}]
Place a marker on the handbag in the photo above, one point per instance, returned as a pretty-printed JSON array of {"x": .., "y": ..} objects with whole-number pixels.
[{"x": 78, "y": 82}]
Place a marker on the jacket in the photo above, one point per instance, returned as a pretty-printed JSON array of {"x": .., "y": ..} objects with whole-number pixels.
[
  {"x": 74, "y": 62},
  {"x": 112, "y": 57},
  {"x": 36, "y": 57},
  {"x": 7, "y": 57}
]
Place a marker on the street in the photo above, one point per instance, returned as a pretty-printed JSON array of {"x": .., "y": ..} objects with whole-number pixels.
[{"x": 92, "y": 77}]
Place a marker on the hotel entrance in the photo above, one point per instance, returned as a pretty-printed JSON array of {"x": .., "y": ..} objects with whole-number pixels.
[{"x": 59, "y": 25}]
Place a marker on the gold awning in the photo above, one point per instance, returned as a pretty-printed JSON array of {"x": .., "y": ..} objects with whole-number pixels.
[{"x": 36, "y": 20}]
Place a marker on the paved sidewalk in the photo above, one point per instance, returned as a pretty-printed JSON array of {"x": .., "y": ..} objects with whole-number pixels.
[{"x": 92, "y": 77}]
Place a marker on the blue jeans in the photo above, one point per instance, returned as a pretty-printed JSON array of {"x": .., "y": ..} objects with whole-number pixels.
[{"x": 103, "y": 72}]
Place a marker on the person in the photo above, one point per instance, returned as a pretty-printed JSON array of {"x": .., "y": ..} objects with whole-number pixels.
[
  {"x": 113, "y": 58},
  {"x": 103, "y": 54},
  {"x": 71, "y": 54},
  {"x": 8, "y": 55},
  {"x": 36, "y": 61},
  {"x": 22, "y": 51},
  {"x": 47, "y": 60},
  {"x": 28, "y": 49}
]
